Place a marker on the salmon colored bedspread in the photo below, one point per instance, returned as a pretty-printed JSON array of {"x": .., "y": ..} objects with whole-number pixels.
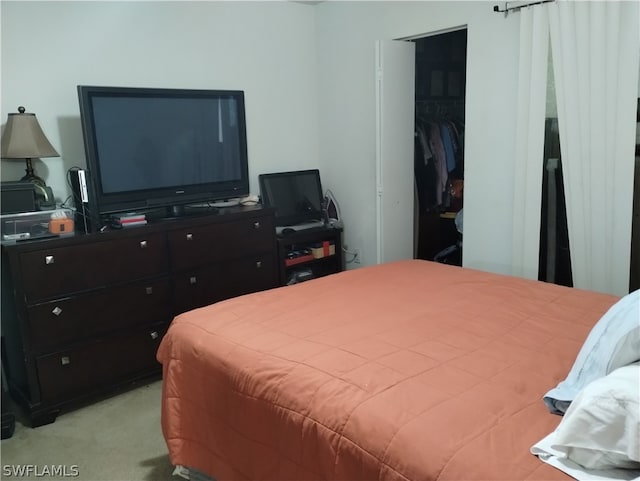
[{"x": 406, "y": 371}]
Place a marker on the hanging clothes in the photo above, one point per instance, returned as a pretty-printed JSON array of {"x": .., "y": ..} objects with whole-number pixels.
[
  {"x": 445, "y": 134},
  {"x": 438, "y": 161},
  {"x": 424, "y": 170},
  {"x": 437, "y": 147}
]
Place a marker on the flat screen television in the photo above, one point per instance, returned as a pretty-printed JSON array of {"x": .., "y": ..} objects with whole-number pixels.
[
  {"x": 148, "y": 148},
  {"x": 296, "y": 196}
]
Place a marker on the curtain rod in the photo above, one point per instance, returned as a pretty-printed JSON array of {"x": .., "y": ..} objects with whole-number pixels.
[{"x": 508, "y": 9}]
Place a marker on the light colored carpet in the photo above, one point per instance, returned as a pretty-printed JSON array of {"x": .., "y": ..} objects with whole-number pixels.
[{"x": 116, "y": 439}]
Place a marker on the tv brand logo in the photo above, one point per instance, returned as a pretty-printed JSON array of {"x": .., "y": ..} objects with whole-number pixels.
[{"x": 47, "y": 470}]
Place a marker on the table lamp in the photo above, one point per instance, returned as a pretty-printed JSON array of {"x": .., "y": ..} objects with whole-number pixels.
[{"x": 24, "y": 139}]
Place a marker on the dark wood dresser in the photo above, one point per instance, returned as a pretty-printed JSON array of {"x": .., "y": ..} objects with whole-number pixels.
[{"x": 82, "y": 316}]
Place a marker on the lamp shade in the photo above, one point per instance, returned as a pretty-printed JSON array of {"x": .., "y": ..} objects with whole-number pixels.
[{"x": 23, "y": 138}]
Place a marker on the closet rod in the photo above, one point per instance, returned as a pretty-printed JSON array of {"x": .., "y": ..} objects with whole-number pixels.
[{"x": 508, "y": 9}]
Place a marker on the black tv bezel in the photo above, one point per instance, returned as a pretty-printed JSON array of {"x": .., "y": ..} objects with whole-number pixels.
[
  {"x": 173, "y": 197},
  {"x": 290, "y": 220}
]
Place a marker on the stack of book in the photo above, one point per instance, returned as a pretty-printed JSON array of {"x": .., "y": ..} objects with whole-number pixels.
[{"x": 121, "y": 221}]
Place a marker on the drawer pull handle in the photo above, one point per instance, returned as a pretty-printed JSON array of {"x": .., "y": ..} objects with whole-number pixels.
[
  {"x": 65, "y": 360},
  {"x": 56, "y": 311},
  {"x": 192, "y": 280},
  {"x": 143, "y": 244},
  {"x": 49, "y": 260},
  {"x": 154, "y": 334},
  {"x": 258, "y": 264},
  {"x": 149, "y": 290},
  {"x": 256, "y": 225},
  {"x": 189, "y": 236}
]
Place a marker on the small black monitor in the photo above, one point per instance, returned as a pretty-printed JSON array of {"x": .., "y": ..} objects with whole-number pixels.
[{"x": 296, "y": 196}]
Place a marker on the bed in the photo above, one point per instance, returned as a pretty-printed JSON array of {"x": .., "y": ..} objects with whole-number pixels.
[{"x": 406, "y": 371}]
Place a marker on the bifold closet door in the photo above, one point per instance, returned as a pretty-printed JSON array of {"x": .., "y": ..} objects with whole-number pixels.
[{"x": 395, "y": 125}]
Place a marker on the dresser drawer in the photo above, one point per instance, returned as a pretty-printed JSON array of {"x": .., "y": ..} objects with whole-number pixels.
[
  {"x": 48, "y": 273},
  {"x": 83, "y": 315},
  {"x": 80, "y": 371},
  {"x": 226, "y": 240},
  {"x": 209, "y": 284},
  {"x": 63, "y": 321}
]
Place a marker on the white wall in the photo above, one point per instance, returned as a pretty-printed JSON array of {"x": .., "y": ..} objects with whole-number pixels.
[
  {"x": 264, "y": 48},
  {"x": 346, "y": 33},
  {"x": 308, "y": 74}
]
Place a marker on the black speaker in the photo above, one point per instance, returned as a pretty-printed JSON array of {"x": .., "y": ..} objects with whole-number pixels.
[
  {"x": 17, "y": 197},
  {"x": 86, "y": 209}
]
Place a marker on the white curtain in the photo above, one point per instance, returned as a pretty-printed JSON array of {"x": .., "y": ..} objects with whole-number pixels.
[
  {"x": 532, "y": 88},
  {"x": 595, "y": 50}
]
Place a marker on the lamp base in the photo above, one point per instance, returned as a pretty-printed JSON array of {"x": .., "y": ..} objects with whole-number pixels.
[
  {"x": 30, "y": 176},
  {"x": 44, "y": 195},
  {"x": 34, "y": 179}
]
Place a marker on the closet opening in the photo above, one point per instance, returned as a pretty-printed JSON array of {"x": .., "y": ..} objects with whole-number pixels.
[
  {"x": 554, "y": 257},
  {"x": 634, "y": 276},
  {"x": 554, "y": 261},
  {"x": 440, "y": 81}
]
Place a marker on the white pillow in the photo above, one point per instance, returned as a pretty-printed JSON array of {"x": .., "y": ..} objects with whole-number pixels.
[
  {"x": 601, "y": 428},
  {"x": 613, "y": 342}
]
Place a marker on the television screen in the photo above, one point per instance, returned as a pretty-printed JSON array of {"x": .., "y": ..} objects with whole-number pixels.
[
  {"x": 163, "y": 147},
  {"x": 296, "y": 196}
]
